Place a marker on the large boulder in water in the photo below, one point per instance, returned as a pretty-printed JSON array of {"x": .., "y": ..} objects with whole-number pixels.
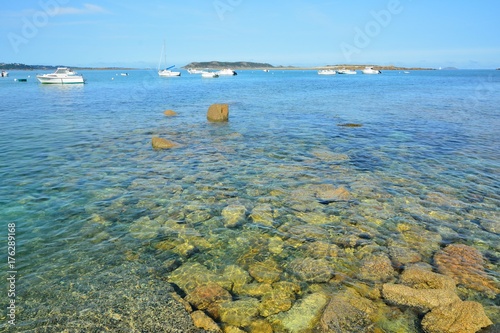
[
  {"x": 218, "y": 113},
  {"x": 160, "y": 143}
]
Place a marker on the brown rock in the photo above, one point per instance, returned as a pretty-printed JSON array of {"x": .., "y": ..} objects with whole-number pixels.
[
  {"x": 424, "y": 299},
  {"x": 203, "y": 296},
  {"x": 465, "y": 265},
  {"x": 239, "y": 313},
  {"x": 311, "y": 270},
  {"x": 218, "y": 113},
  {"x": 341, "y": 316},
  {"x": 377, "y": 269},
  {"x": 260, "y": 326},
  {"x": 170, "y": 113},
  {"x": 160, "y": 143},
  {"x": 275, "y": 302},
  {"x": 201, "y": 320},
  {"x": 459, "y": 317},
  {"x": 420, "y": 278},
  {"x": 266, "y": 271}
]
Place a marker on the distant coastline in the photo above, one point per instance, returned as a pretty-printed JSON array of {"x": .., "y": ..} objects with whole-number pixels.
[
  {"x": 239, "y": 65},
  {"x": 216, "y": 65}
]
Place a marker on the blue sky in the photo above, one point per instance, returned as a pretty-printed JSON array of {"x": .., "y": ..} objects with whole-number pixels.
[{"x": 425, "y": 33}]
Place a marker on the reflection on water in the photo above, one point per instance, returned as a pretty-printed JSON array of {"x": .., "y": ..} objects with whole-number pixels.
[{"x": 275, "y": 216}]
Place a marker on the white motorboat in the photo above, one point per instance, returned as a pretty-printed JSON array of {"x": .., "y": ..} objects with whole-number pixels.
[
  {"x": 166, "y": 72},
  {"x": 194, "y": 71},
  {"x": 265, "y": 70},
  {"x": 346, "y": 71},
  {"x": 370, "y": 70},
  {"x": 327, "y": 72},
  {"x": 4, "y": 74},
  {"x": 62, "y": 75},
  {"x": 209, "y": 75},
  {"x": 227, "y": 71}
]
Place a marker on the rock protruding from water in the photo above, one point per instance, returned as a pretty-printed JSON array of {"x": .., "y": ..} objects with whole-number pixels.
[
  {"x": 435, "y": 294},
  {"x": 218, "y": 113},
  {"x": 161, "y": 143},
  {"x": 170, "y": 113}
]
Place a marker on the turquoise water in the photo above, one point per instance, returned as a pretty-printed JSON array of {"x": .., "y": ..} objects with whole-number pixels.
[{"x": 88, "y": 194}]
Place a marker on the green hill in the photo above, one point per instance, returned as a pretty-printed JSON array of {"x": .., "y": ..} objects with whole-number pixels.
[{"x": 226, "y": 64}]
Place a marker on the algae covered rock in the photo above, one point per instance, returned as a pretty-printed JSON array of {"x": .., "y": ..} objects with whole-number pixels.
[
  {"x": 274, "y": 302},
  {"x": 424, "y": 299},
  {"x": 377, "y": 268},
  {"x": 302, "y": 317},
  {"x": 239, "y": 313},
  {"x": 206, "y": 295},
  {"x": 267, "y": 271},
  {"x": 201, "y": 320},
  {"x": 465, "y": 265},
  {"x": 460, "y": 317},
  {"x": 312, "y": 270},
  {"x": 191, "y": 275},
  {"x": 341, "y": 316},
  {"x": 234, "y": 215},
  {"x": 144, "y": 228}
]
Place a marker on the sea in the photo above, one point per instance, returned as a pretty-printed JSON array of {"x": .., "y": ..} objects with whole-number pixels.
[{"x": 340, "y": 169}]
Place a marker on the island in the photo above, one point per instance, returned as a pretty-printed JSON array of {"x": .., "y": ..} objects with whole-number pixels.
[{"x": 239, "y": 65}]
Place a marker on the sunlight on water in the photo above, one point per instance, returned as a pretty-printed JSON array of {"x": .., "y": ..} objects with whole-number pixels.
[{"x": 281, "y": 206}]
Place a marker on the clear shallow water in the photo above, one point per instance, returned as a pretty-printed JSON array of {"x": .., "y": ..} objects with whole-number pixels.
[{"x": 89, "y": 196}]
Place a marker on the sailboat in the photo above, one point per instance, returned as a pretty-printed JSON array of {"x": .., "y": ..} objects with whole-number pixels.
[{"x": 166, "y": 72}]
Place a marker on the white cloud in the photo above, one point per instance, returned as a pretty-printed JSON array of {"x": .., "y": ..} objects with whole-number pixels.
[{"x": 88, "y": 8}]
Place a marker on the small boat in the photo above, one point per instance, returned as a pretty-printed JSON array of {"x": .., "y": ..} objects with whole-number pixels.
[
  {"x": 346, "y": 71},
  {"x": 124, "y": 74},
  {"x": 265, "y": 70},
  {"x": 62, "y": 75},
  {"x": 327, "y": 72},
  {"x": 227, "y": 71},
  {"x": 4, "y": 74},
  {"x": 370, "y": 70},
  {"x": 194, "y": 71},
  {"x": 166, "y": 72},
  {"x": 209, "y": 75},
  {"x": 21, "y": 80}
]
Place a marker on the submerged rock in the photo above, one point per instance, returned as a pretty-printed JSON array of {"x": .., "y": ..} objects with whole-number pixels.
[
  {"x": 465, "y": 265},
  {"x": 377, "y": 269},
  {"x": 341, "y": 316},
  {"x": 424, "y": 299},
  {"x": 161, "y": 143},
  {"x": 191, "y": 275},
  {"x": 312, "y": 270},
  {"x": 206, "y": 295},
  {"x": 218, "y": 113},
  {"x": 239, "y": 313},
  {"x": 145, "y": 228},
  {"x": 201, "y": 320},
  {"x": 234, "y": 215},
  {"x": 460, "y": 317},
  {"x": 302, "y": 317},
  {"x": 267, "y": 271},
  {"x": 274, "y": 302}
]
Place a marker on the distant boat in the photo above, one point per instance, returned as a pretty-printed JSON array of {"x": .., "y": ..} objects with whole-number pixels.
[
  {"x": 194, "y": 71},
  {"x": 327, "y": 72},
  {"x": 166, "y": 72},
  {"x": 370, "y": 70},
  {"x": 266, "y": 70},
  {"x": 346, "y": 71},
  {"x": 62, "y": 75},
  {"x": 227, "y": 71},
  {"x": 209, "y": 75},
  {"x": 4, "y": 74},
  {"x": 21, "y": 80},
  {"x": 124, "y": 74},
  {"x": 406, "y": 72}
]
